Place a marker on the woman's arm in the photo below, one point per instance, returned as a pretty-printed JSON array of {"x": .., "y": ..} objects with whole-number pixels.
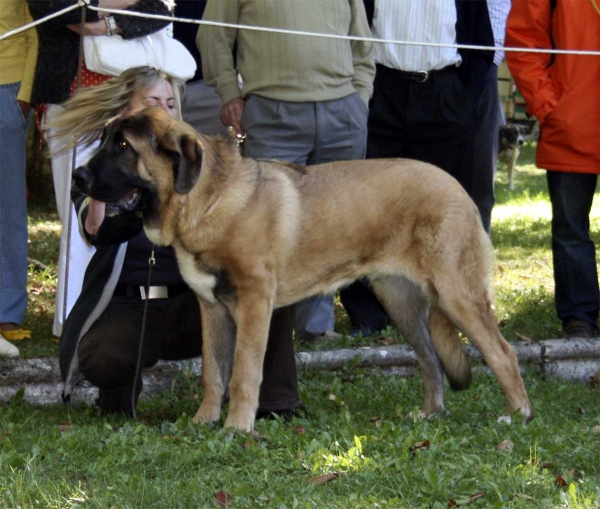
[{"x": 133, "y": 26}]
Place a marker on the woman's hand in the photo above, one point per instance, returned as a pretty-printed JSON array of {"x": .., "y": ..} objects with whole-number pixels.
[
  {"x": 95, "y": 216},
  {"x": 231, "y": 114},
  {"x": 25, "y": 108}
]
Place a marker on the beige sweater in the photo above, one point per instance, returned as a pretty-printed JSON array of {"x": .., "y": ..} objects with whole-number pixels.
[{"x": 286, "y": 67}]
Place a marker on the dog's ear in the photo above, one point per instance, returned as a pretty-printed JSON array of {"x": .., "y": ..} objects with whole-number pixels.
[
  {"x": 188, "y": 170},
  {"x": 186, "y": 153}
]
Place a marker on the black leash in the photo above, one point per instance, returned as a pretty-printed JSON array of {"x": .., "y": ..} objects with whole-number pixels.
[{"x": 151, "y": 262}]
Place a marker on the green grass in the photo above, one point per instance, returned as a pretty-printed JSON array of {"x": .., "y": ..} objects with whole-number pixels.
[{"x": 358, "y": 427}]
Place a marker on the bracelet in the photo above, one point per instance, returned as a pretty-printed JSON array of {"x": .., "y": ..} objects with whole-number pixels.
[{"x": 111, "y": 25}]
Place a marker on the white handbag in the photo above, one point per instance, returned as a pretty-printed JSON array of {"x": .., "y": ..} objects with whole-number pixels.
[{"x": 111, "y": 55}]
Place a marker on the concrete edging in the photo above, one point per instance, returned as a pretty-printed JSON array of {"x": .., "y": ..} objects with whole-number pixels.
[{"x": 573, "y": 359}]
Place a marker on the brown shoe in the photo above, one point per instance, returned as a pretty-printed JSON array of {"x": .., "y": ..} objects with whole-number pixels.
[{"x": 579, "y": 329}]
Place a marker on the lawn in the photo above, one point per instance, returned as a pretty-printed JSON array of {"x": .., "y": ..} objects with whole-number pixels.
[{"x": 359, "y": 446}]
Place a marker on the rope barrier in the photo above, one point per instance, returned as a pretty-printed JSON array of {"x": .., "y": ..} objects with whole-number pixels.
[{"x": 172, "y": 19}]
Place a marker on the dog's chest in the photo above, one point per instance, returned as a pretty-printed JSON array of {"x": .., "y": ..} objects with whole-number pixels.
[{"x": 202, "y": 283}]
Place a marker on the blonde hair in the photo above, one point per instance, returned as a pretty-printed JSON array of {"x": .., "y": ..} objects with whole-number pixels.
[{"x": 86, "y": 113}]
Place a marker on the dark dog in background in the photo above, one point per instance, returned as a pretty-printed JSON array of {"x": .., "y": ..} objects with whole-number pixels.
[{"x": 510, "y": 140}]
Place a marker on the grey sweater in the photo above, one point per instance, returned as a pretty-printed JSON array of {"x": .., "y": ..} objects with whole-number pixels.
[{"x": 288, "y": 67}]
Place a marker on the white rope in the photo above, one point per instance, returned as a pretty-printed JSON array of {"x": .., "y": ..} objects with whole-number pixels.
[
  {"x": 16, "y": 31},
  {"x": 343, "y": 37},
  {"x": 299, "y": 32}
]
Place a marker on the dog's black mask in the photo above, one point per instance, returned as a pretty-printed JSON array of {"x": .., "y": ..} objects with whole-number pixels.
[{"x": 111, "y": 175}]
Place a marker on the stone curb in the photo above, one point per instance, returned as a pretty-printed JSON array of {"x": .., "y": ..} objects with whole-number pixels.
[{"x": 574, "y": 359}]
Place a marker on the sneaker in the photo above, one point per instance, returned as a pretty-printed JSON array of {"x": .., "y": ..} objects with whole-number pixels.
[
  {"x": 7, "y": 349},
  {"x": 579, "y": 329}
]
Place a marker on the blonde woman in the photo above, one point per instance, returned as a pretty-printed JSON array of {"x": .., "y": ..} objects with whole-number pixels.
[
  {"x": 55, "y": 81},
  {"x": 100, "y": 336}
]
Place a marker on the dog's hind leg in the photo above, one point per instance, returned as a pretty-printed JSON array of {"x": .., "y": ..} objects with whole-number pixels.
[
  {"x": 218, "y": 347},
  {"x": 444, "y": 336},
  {"x": 472, "y": 312},
  {"x": 408, "y": 309}
]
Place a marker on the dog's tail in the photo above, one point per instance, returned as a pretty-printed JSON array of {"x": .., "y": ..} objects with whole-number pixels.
[{"x": 446, "y": 342}]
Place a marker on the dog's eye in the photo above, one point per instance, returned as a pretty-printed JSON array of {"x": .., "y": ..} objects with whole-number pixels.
[{"x": 123, "y": 144}]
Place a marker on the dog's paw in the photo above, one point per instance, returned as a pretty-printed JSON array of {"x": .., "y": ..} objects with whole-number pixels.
[
  {"x": 207, "y": 415},
  {"x": 239, "y": 423}
]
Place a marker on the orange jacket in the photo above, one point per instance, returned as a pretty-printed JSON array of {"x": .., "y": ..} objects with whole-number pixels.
[{"x": 564, "y": 96}]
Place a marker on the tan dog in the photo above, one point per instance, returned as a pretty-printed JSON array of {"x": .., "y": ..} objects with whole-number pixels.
[{"x": 251, "y": 236}]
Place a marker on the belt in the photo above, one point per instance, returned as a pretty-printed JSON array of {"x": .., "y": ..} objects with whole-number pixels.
[
  {"x": 417, "y": 76},
  {"x": 155, "y": 292}
]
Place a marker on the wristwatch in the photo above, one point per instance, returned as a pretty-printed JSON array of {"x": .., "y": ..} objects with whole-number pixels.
[{"x": 111, "y": 25}]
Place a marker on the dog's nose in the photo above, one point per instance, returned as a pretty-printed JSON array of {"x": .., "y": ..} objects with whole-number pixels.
[
  {"x": 520, "y": 142},
  {"x": 81, "y": 176}
]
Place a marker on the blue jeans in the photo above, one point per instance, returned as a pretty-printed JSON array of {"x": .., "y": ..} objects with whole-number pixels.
[
  {"x": 13, "y": 207},
  {"x": 575, "y": 272}
]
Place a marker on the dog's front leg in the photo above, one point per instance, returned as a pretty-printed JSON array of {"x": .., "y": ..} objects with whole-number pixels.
[
  {"x": 218, "y": 346},
  {"x": 253, "y": 317}
]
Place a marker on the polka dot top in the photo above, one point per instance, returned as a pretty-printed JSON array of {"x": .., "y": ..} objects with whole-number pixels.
[{"x": 88, "y": 79}]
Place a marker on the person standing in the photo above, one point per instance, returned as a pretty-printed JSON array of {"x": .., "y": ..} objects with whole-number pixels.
[
  {"x": 303, "y": 99},
  {"x": 488, "y": 117},
  {"x": 563, "y": 92},
  {"x": 424, "y": 101},
  {"x": 202, "y": 106},
  {"x": 17, "y": 61}
]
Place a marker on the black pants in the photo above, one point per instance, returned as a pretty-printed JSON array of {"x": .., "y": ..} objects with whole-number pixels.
[
  {"x": 431, "y": 122},
  {"x": 108, "y": 351}
]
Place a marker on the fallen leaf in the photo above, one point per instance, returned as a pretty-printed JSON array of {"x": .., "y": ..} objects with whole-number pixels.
[
  {"x": 465, "y": 501},
  {"x": 560, "y": 481},
  {"x": 388, "y": 340},
  {"x": 582, "y": 410},
  {"x": 64, "y": 426},
  {"x": 547, "y": 464},
  {"x": 374, "y": 418},
  {"x": 323, "y": 479},
  {"x": 378, "y": 424},
  {"x": 224, "y": 499},
  {"x": 523, "y": 338},
  {"x": 595, "y": 380},
  {"x": 523, "y": 496},
  {"x": 506, "y": 445},
  {"x": 332, "y": 397},
  {"x": 258, "y": 437},
  {"x": 420, "y": 446},
  {"x": 299, "y": 430},
  {"x": 501, "y": 269},
  {"x": 596, "y": 429}
]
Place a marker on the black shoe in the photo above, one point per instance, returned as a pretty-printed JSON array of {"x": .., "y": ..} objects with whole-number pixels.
[
  {"x": 579, "y": 329},
  {"x": 287, "y": 415}
]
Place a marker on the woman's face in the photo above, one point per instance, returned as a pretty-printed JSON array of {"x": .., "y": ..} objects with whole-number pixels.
[{"x": 160, "y": 95}]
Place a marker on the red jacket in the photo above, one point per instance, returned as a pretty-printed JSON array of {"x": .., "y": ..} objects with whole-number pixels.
[{"x": 564, "y": 96}]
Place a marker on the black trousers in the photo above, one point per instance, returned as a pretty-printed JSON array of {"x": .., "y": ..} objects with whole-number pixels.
[
  {"x": 108, "y": 351},
  {"x": 431, "y": 122}
]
